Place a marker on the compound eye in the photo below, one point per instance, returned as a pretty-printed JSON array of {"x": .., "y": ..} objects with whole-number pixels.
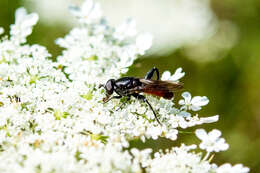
[{"x": 110, "y": 87}]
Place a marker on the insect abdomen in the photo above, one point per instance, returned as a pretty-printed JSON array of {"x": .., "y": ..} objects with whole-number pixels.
[{"x": 166, "y": 95}]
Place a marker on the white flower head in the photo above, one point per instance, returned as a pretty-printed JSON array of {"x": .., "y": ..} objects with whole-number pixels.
[
  {"x": 194, "y": 103},
  {"x": 175, "y": 77},
  {"x": 211, "y": 141},
  {"x": 51, "y": 124}
]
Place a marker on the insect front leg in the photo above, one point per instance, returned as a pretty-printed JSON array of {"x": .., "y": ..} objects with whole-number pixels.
[
  {"x": 141, "y": 97},
  {"x": 150, "y": 73},
  {"x": 105, "y": 100},
  {"x": 124, "y": 102}
]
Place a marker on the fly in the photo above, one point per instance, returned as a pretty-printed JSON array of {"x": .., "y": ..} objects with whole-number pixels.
[{"x": 132, "y": 86}]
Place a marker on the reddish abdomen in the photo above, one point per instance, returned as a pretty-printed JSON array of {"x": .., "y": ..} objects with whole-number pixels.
[{"x": 166, "y": 95}]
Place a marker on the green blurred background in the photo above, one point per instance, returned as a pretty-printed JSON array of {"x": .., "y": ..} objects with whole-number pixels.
[{"x": 231, "y": 82}]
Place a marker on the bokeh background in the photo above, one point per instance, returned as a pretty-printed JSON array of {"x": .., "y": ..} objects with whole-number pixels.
[{"x": 217, "y": 43}]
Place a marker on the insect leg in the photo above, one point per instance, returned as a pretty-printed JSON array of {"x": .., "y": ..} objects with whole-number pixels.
[
  {"x": 141, "y": 97},
  {"x": 128, "y": 98},
  {"x": 150, "y": 73},
  {"x": 114, "y": 97},
  {"x": 100, "y": 85}
]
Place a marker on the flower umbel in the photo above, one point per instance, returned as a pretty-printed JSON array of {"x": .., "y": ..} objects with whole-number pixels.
[{"x": 52, "y": 118}]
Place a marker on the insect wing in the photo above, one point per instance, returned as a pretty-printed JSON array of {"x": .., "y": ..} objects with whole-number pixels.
[
  {"x": 160, "y": 88},
  {"x": 162, "y": 85}
]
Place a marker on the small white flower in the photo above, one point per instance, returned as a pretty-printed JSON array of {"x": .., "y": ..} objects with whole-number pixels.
[
  {"x": 142, "y": 157},
  {"x": 88, "y": 12},
  {"x": 154, "y": 132},
  {"x": 194, "y": 103},
  {"x": 172, "y": 134},
  {"x": 211, "y": 141},
  {"x": 228, "y": 168},
  {"x": 175, "y": 77},
  {"x": 23, "y": 25},
  {"x": 126, "y": 29}
]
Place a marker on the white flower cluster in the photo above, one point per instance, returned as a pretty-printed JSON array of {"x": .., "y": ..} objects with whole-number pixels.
[
  {"x": 95, "y": 48},
  {"x": 182, "y": 160},
  {"x": 52, "y": 118}
]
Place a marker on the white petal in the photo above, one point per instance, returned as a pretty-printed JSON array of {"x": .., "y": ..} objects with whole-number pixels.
[
  {"x": 181, "y": 102},
  {"x": 224, "y": 167},
  {"x": 200, "y": 101},
  {"x": 178, "y": 70},
  {"x": 195, "y": 108},
  {"x": 202, "y": 146},
  {"x": 182, "y": 123},
  {"x": 20, "y": 13},
  {"x": 187, "y": 96},
  {"x": 177, "y": 75},
  {"x": 135, "y": 151},
  {"x": 166, "y": 75},
  {"x": 184, "y": 114},
  {"x": 89, "y": 11},
  {"x": 201, "y": 134},
  {"x": 87, "y": 6},
  {"x": 31, "y": 19},
  {"x": 211, "y": 119},
  {"x": 239, "y": 168},
  {"x": 214, "y": 134},
  {"x": 224, "y": 146}
]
